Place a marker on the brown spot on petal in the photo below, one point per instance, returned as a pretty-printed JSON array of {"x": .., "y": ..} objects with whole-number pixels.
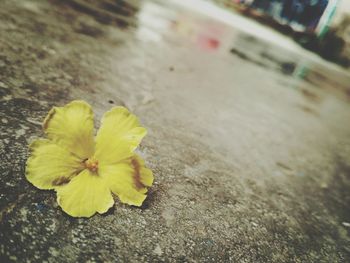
[
  {"x": 60, "y": 181},
  {"x": 137, "y": 175}
]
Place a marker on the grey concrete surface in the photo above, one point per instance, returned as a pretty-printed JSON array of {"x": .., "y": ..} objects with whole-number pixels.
[{"x": 249, "y": 143}]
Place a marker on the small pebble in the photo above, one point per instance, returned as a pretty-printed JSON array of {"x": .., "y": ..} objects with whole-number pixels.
[
  {"x": 158, "y": 251},
  {"x": 346, "y": 224}
]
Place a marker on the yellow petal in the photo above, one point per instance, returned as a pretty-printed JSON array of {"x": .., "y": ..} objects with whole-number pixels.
[
  {"x": 72, "y": 127},
  {"x": 86, "y": 194},
  {"x": 128, "y": 180},
  {"x": 50, "y": 165},
  {"x": 118, "y": 137}
]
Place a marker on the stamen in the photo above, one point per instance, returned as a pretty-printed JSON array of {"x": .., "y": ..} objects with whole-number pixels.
[{"x": 91, "y": 164}]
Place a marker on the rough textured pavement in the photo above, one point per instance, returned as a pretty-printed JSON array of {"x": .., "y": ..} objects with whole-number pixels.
[{"x": 249, "y": 144}]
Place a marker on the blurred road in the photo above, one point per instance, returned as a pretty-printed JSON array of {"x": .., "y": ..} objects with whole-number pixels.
[{"x": 249, "y": 135}]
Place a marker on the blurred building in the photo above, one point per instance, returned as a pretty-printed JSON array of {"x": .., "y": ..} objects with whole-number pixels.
[
  {"x": 301, "y": 15},
  {"x": 322, "y": 26}
]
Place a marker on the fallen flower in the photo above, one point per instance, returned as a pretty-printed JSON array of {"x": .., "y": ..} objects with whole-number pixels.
[{"x": 85, "y": 171}]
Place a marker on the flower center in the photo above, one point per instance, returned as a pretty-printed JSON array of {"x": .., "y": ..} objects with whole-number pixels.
[{"x": 91, "y": 164}]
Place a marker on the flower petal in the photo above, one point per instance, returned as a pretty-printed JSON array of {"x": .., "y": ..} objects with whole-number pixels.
[
  {"x": 72, "y": 127},
  {"x": 128, "y": 180},
  {"x": 118, "y": 137},
  {"x": 85, "y": 195},
  {"x": 50, "y": 165}
]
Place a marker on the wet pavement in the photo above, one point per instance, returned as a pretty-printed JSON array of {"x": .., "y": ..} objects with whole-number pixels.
[{"x": 249, "y": 137}]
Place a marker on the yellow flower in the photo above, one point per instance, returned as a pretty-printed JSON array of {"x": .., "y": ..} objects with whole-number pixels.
[{"x": 83, "y": 170}]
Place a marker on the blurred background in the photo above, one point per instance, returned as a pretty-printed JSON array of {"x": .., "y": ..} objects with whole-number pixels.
[{"x": 322, "y": 26}]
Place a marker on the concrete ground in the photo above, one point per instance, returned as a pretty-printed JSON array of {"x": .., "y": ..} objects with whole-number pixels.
[{"x": 249, "y": 141}]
